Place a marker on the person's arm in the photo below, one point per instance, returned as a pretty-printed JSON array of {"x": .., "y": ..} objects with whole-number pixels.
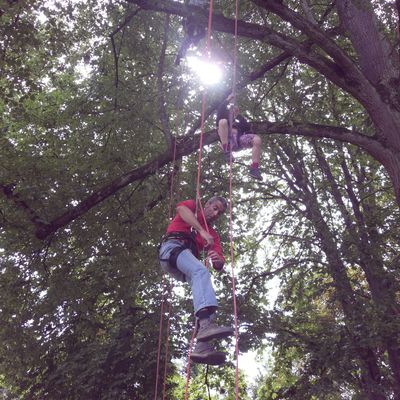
[{"x": 188, "y": 216}]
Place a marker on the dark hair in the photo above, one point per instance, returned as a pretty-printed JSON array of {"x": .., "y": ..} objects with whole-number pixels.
[{"x": 222, "y": 200}]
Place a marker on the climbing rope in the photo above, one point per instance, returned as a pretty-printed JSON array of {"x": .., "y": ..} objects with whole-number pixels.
[
  {"x": 198, "y": 196},
  {"x": 230, "y": 211},
  {"x": 160, "y": 337},
  {"x": 167, "y": 342},
  {"x": 163, "y": 299},
  {"x": 198, "y": 201},
  {"x": 203, "y": 106}
]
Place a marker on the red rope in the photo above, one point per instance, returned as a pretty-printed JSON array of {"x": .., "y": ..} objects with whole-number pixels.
[
  {"x": 160, "y": 337},
  {"x": 210, "y": 13},
  {"x": 233, "y": 284},
  {"x": 163, "y": 299},
  {"x": 198, "y": 197},
  {"x": 235, "y": 52},
  {"x": 230, "y": 214},
  {"x": 198, "y": 201},
  {"x": 203, "y": 107},
  {"x": 167, "y": 341},
  {"x": 188, "y": 365},
  {"x": 171, "y": 191}
]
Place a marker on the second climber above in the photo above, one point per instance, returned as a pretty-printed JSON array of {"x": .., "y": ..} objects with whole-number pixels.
[{"x": 238, "y": 136}]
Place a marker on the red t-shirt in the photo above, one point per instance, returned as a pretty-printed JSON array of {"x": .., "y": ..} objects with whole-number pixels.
[{"x": 179, "y": 225}]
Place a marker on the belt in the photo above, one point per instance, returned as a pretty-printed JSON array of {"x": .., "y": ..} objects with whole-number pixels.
[{"x": 177, "y": 236}]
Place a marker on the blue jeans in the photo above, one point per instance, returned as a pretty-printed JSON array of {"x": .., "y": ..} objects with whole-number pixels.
[{"x": 190, "y": 269}]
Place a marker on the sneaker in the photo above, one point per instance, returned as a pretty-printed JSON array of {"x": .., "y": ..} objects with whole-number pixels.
[
  {"x": 227, "y": 156},
  {"x": 204, "y": 353},
  {"x": 255, "y": 173},
  {"x": 208, "y": 330},
  {"x": 183, "y": 49}
]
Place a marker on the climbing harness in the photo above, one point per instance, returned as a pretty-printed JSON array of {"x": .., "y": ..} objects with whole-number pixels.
[{"x": 187, "y": 242}]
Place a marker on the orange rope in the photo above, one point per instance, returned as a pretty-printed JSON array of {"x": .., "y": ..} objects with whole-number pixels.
[
  {"x": 198, "y": 197},
  {"x": 230, "y": 213},
  {"x": 167, "y": 341},
  {"x": 188, "y": 366},
  {"x": 160, "y": 337},
  {"x": 203, "y": 106},
  {"x": 163, "y": 300}
]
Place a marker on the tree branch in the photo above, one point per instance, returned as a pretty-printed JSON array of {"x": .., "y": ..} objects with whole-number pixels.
[
  {"x": 368, "y": 143},
  {"x": 185, "y": 146},
  {"x": 8, "y": 192},
  {"x": 368, "y": 41},
  {"x": 189, "y": 144}
]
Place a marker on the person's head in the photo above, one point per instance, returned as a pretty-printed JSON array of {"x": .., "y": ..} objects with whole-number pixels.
[
  {"x": 214, "y": 208},
  {"x": 236, "y": 111}
]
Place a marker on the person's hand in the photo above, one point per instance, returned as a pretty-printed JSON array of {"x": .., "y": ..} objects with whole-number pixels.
[
  {"x": 235, "y": 144},
  {"x": 217, "y": 262},
  {"x": 230, "y": 97},
  {"x": 207, "y": 237}
]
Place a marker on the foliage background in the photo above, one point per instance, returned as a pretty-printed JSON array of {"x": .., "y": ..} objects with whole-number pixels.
[{"x": 90, "y": 93}]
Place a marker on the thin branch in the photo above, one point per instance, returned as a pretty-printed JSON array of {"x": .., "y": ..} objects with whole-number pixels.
[
  {"x": 270, "y": 274},
  {"x": 307, "y": 12},
  {"x": 161, "y": 99},
  {"x": 117, "y": 53},
  {"x": 318, "y": 36},
  {"x": 8, "y": 192}
]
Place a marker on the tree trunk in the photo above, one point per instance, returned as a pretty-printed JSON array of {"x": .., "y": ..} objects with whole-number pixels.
[
  {"x": 370, "y": 371},
  {"x": 367, "y": 241}
]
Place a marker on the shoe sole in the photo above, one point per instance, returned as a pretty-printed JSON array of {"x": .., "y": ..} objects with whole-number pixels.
[
  {"x": 215, "y": 358},
  {"x": 215, "y": 335}
]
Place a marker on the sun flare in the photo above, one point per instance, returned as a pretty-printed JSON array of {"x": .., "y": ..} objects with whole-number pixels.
[{"x": 208, "y": 72}]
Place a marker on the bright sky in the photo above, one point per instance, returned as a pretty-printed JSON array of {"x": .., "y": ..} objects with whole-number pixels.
[{"x": 248, "y": 362}]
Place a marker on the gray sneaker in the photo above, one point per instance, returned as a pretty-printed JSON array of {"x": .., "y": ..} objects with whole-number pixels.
[
  {"x": 208, "y": 331},
  {"x": 255, "y": 173},
  {"x": 204, "y": 353}
]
